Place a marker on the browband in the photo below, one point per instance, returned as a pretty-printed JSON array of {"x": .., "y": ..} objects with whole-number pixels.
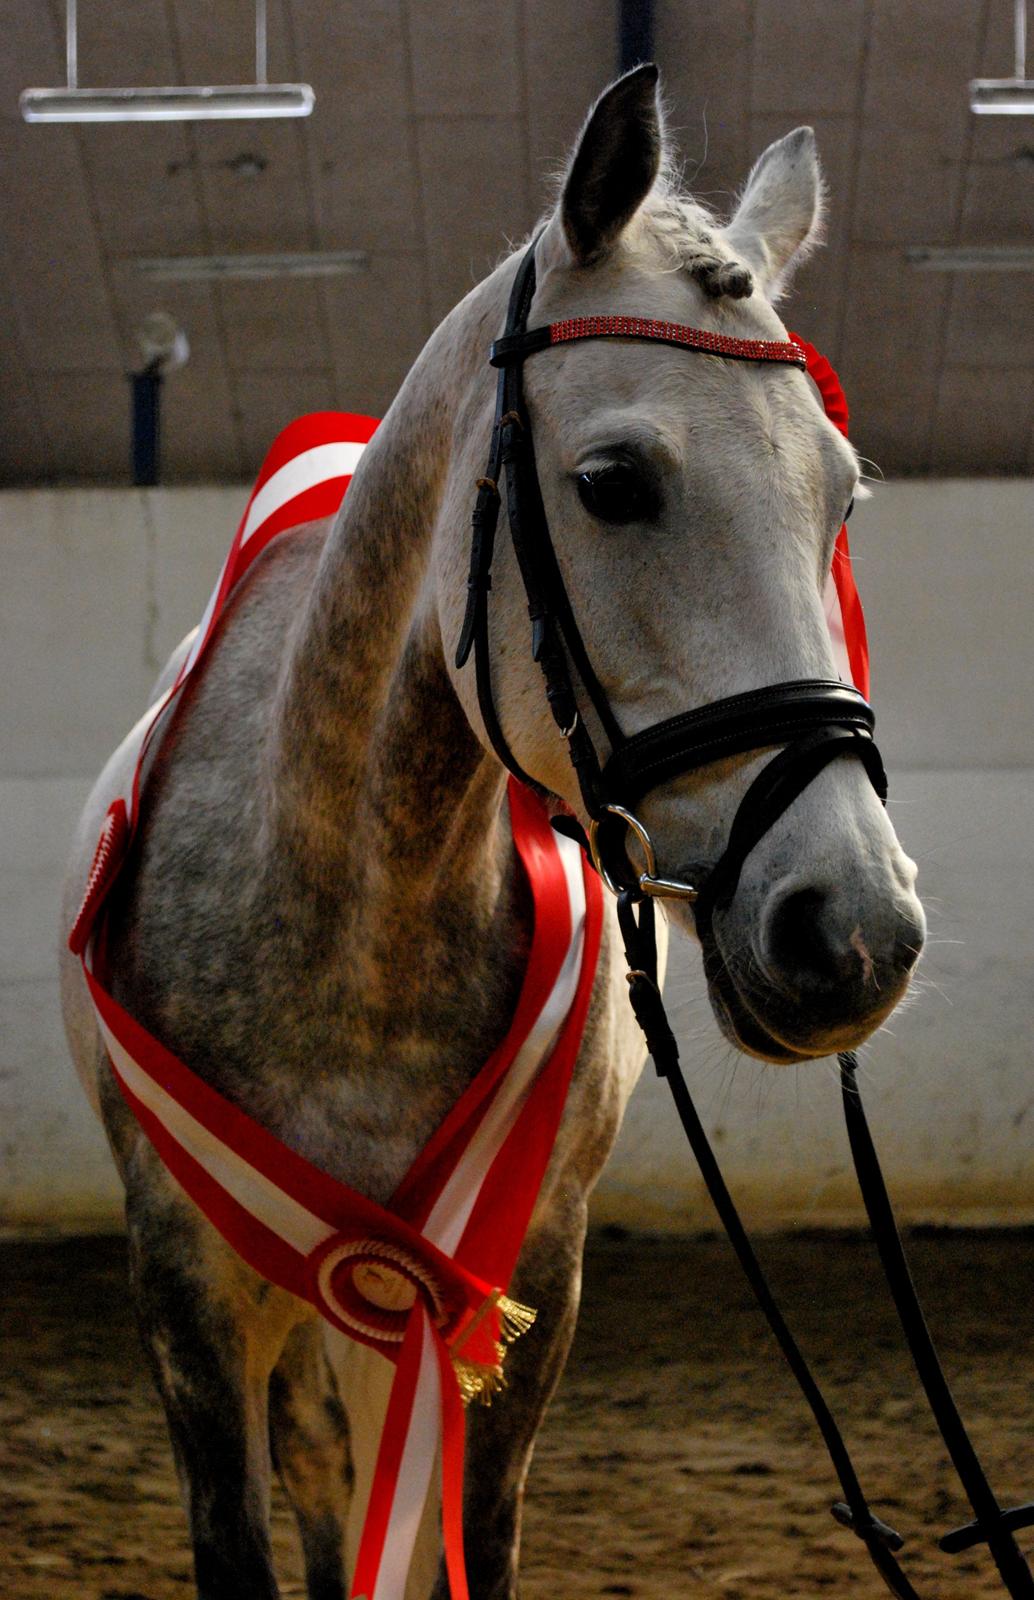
[{"x": 515, "y": 346}]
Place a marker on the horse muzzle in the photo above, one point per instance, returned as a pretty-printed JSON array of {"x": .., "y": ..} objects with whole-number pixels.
[{"x": 815, "y": 967}]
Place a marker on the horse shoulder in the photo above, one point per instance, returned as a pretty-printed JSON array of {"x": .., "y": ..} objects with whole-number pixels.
[{"x": 240, "y": 671}]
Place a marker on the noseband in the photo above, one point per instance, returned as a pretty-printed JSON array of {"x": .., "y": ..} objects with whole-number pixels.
[{"x": 814, "y": 720}]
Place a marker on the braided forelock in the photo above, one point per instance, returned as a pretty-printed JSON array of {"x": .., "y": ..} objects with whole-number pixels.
[{"x": 687, "y": 234}]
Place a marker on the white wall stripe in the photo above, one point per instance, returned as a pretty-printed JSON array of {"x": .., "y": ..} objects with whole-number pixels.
[{"x": 305, "y": 471}]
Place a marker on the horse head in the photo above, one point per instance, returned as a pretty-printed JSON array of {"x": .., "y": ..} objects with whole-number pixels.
[{"x": 693, "y": 503}]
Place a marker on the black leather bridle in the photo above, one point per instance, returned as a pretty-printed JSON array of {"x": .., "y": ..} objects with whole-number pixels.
[{"x": 814, "y": 721}]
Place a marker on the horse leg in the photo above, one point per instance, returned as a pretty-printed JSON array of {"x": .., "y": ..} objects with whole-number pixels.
[
  {"x": 213, "y": 1330},
  {"x": 500, "y": 1437},
  {"x": 311, "y": 1452}
]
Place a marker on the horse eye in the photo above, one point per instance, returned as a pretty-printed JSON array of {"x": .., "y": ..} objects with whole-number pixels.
[
  {"x": 615, "y": 494},
  {"x": 847, "y": 513}
]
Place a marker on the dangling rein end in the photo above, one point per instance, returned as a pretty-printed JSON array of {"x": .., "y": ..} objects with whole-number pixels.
[{"x": 483, "y": 1383}]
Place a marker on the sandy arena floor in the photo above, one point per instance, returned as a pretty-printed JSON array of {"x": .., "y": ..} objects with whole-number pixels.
[{"x": 677, "y": 1460}]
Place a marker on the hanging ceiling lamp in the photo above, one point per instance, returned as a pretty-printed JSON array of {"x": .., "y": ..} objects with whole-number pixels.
[
  {"x": 172, "y": 104},
  {"x": 1007, "y": 96}
]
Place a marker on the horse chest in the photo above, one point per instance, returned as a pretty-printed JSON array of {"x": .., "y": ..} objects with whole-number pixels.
[{"x": 348, "y": 1038}]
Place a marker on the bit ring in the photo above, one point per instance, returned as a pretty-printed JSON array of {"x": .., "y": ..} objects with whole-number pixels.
[{"x": 649, "y": 882}]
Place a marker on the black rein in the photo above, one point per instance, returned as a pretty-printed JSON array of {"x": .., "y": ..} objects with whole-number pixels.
[{"x": 814, "y": 721}]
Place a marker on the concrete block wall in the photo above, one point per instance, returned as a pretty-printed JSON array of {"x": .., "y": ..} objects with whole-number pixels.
[
  {"x": 100, "y": 584},
  {"x": 98, "y": 587}
]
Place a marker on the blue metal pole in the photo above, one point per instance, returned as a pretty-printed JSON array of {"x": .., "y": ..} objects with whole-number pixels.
[
  {"x": 146, "y": 388},
  {"x": 635, "y": 33}
]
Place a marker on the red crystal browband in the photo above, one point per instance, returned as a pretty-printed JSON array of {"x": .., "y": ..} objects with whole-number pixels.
[{"x": 516, "y": 346}]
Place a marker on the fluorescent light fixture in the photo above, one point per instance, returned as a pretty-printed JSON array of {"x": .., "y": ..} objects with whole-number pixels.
[
  {"x": 1002, "y": 97},
  {"x": 1010, "y": 97},
  {"x": 187, "y": 104},
  {"x": 276, "y": 264},
  {"x": 971, "y": 257}
]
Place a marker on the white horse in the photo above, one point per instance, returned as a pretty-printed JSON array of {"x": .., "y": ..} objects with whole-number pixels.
[{"x": 325, "y": 871}]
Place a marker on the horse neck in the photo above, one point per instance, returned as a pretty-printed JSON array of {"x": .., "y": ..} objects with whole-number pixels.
[{"x": 376, "y": 781}]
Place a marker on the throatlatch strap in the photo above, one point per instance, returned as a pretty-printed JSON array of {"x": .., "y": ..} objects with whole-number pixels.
[
  {"x": 486, "y": 507},
  {"x": 549, "y": 606},
  {"x": 484, "y": 521},
  {"x": 554, "y": 630}
]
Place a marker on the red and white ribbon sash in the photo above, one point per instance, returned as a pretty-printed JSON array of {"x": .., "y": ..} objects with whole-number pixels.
[{"x": 423, "y": 1279}]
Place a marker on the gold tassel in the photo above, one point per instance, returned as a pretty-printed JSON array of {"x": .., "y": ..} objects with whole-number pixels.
[
  {"x": 514, "y": 1319},
  {"x": 478, "y": 1383},
  {"x": 484, "y": 1383}
]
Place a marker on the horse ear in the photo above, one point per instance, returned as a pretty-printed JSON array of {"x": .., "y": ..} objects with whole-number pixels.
[
  {"x": 615, "y": 165},
  {"x": 778, "y": 221}
]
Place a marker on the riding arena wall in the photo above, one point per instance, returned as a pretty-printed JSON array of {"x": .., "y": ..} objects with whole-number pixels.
[{"x": 101, "y": 583}]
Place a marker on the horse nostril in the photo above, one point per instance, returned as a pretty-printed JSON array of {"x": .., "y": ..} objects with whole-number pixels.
[
  {"x": 814, "y": 944},
  {"x": 801, "y": 948}
]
